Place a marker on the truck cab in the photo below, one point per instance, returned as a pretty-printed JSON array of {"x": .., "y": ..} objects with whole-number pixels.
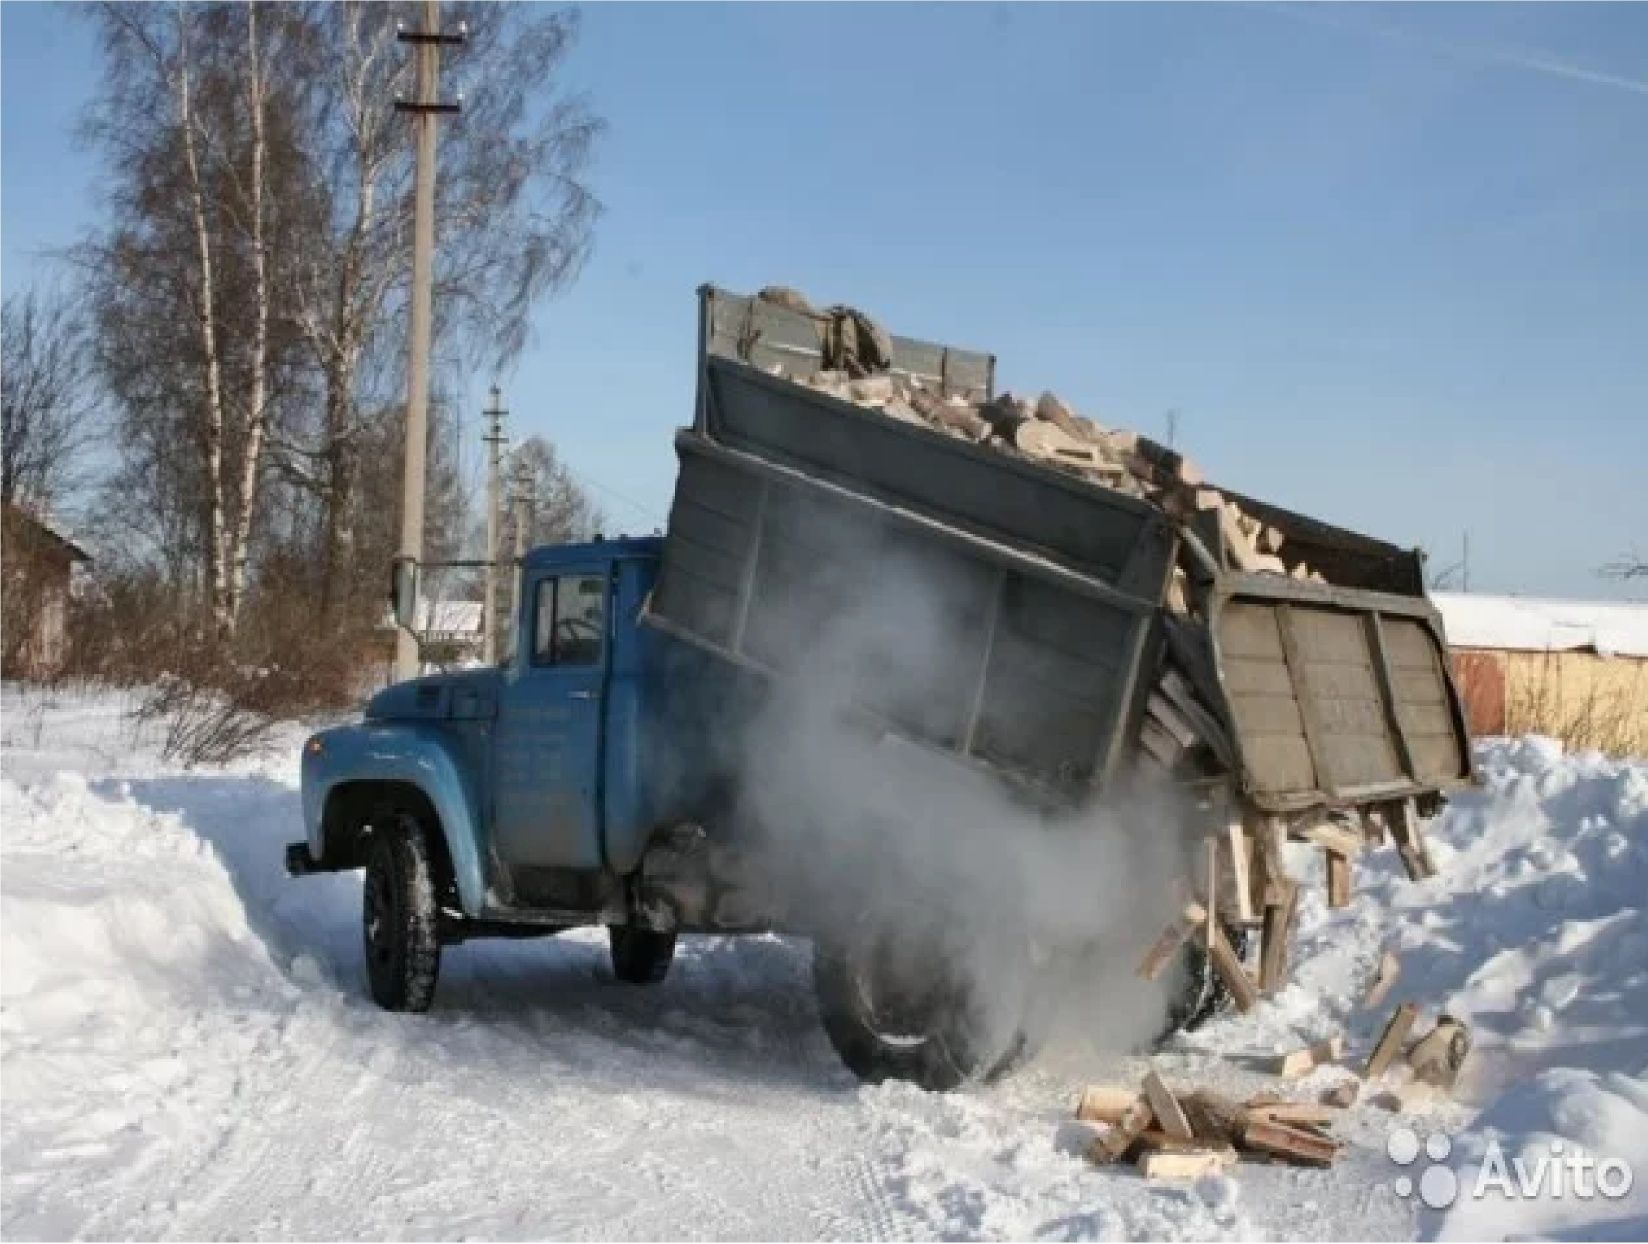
[{"x": 522, "y": 783}]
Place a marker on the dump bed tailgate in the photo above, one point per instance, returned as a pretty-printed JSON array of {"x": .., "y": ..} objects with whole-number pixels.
[{"x": 1336, "y": 696}]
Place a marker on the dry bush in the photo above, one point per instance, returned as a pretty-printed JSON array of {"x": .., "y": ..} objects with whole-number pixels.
[{"x": 211, "y": 699}]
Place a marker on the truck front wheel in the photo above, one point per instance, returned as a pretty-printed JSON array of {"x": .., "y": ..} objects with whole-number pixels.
[
  {"x": 400, "y": 916},
  {"x": 893, "y": 1015},
  {"x": 640, "y": 956}
]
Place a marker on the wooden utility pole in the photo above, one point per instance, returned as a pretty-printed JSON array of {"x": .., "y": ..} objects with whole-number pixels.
[
  {"x": 494, "y": 498},
  {"x": 426, "y": 110},
  {"x": 522, "y": 502}
]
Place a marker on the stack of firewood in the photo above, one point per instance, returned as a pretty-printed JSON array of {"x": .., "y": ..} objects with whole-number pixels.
[
  {"x": 1050, "y": 432},
  {"x": 1174, "y": 1136}
]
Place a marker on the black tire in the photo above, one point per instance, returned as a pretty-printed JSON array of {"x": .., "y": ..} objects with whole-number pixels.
[
  {"x": 400, "y": 916},
  {"x": 640, "y": 956},
  {"x": 926, "y": 1032}
]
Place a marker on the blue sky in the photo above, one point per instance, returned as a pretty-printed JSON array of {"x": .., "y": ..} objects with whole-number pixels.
[{"x": 1389, "y": 263}]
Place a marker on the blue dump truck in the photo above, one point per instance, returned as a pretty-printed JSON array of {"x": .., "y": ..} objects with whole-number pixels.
[{"x": 868, "y": 627}]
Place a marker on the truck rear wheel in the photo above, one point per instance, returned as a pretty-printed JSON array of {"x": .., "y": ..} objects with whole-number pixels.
[
  {"x": 640, "y": 956},
  {"x": 400, "y": 916},
  {"x": 893, "y": 1015}
]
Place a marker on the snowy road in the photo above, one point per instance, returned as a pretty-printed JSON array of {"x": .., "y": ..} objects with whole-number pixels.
[{"x": 187, "y": 1051}]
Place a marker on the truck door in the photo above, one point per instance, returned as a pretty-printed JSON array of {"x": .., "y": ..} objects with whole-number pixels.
[{"x": 547, "y": 749}]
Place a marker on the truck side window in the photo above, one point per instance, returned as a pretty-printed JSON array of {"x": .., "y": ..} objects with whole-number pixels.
[{"x": 569, "y": 620}]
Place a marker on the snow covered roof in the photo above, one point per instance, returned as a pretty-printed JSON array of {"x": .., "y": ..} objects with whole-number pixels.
[{"x": 1612, "y": 628}]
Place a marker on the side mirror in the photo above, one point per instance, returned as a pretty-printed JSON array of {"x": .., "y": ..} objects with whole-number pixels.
[{"x": 403, "y": 592}]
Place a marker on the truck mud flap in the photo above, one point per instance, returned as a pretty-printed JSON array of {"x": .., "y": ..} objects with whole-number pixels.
[{"x": 1338, "y": 697}]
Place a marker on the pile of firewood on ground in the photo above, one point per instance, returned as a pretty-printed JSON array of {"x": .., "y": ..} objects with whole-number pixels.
[
  {"x": 1188, "y": 1134},
  {"x": 1048, "y": 431},
  {"x": 1245, "y": 883}
]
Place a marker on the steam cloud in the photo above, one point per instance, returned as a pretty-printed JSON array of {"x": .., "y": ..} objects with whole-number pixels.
[{"x": 1045, "y": 914}]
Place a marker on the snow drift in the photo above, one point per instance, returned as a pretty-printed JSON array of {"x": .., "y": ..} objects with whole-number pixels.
[{"x": 186, "y": 1049}]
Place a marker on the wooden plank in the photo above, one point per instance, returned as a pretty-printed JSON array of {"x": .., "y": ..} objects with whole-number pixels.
[
  {"x": 1238, "y": 871},
  {"x": 1338, "y": 879},
  {"x": 1211, "y": 894},
  {"x": 1166, "y": 1107},
  {"x": 1409, "y": 835},
  {"x": 1230, "y": 970},
  {"x": 1104, "y": 1103},
  {"x": 1269, "y": 873},
  {"x": 1185, "y": 1163},
  {"x": 1384, "y": 978},
  {"x": 1300, "y": 1062},
  {"x": 1390, "y": 1041},
  {"x": 1278, "y": 930},
  {"x": 1173, "y": 937}
]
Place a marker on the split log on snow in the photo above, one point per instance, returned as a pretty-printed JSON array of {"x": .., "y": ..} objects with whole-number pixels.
[
  {"x": 1384, "y": 978},
  {"x": 1389, "y": 1045},
  {"x": 1188, "y": 1163},
  {"x": 1342, "y": 1095},
  {"x": 1290, "y": 1143},
  {"x": 1169, "y": 1114},
  {"x": 1119, "y": 1137},
  {"x": 1300, "y": 1062},
  {"x": 1105, "y": 1103},
  {"x": 1438, "y": 1056}
]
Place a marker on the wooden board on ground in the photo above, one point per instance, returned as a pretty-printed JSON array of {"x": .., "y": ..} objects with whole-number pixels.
[
  {"x": 1166, "y": 1108},
  {"x": 1390, "y": 1041}
]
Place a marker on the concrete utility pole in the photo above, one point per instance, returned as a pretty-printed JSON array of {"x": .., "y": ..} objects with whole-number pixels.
[
  {"x": 494, "y": 498},
  {"x": 425, "y": 110}
]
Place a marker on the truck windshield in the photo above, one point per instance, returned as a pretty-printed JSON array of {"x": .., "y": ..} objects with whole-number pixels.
[{"x": 569, "y": 621}]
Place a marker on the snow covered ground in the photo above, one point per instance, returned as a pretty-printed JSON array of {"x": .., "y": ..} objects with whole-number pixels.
[{"x": 188, "y": 1052}]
